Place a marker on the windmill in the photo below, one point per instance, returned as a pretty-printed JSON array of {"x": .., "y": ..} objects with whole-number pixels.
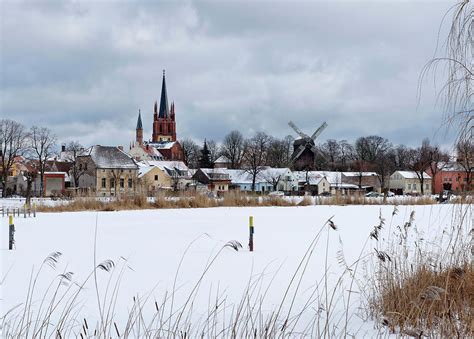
[{"x": 304, "y": 148}]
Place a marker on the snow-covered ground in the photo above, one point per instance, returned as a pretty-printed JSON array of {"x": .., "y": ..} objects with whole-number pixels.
[{"x": 149, "y": 244}]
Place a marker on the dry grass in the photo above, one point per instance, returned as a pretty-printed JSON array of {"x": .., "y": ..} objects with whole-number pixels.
[
  {"x": 362, "y": 200},
  {"x": 229, "y": 199},
  {"x": 428, "y": 299},
  {"x": 425, "y": 288}
]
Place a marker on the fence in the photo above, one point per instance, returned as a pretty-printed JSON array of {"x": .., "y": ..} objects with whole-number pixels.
[{"x": 25, "y": 211}]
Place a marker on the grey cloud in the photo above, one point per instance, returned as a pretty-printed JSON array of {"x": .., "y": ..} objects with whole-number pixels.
[{"x": 85, "y": 69}]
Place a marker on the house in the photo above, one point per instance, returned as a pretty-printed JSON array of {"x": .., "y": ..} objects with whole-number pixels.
[
  {"x": 268, "y": 179},
  {"x": 54, "y": 184},
  {"x": 156, "y": 175},
  {"x": 451, "y": 176},
  {"x": 407, "y": 182},
  {"x": 369, "y": 181},
  {"x": 242, "y": 180},
  {"x": 216, "y": 179},
  {"x": 312, "y": 181},
  {"x": 338, "y": 186},
  {"x": 222, "y": 162},
  {"x": 281, "y": 179},
  {"x": 170, "y": 150},
  {"x": 107, "y": 171},
  {"x": 141, "y": 152}
]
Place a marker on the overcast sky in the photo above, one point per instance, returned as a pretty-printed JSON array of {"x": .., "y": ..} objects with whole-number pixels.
[{"x": 85, "y": 68}]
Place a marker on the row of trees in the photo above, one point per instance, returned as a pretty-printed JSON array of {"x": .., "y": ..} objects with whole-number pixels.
[
  {"x": 36, "y": 143},
  {"x": 370, "y": 153}
]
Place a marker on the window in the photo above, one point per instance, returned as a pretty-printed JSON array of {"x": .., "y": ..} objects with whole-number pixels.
[
  {"x": 414, "y": 186},
  {"x": 122, "y": 182},
  {"x": 121, "y": 171},
  {"x": 156, "y": 177},
  {"x": 112, "y": 182},
  {"x": 80, "y": 167},
  {"x": 104, "y": 182},
  {"x": 130, "y": 183},
  {"x": 427, "y": 186},
  {"x": 409, "y": 186}
]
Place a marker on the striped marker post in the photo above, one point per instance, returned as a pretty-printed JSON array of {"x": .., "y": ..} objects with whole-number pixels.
[
  {"x": 251, "y": 232},
  {"x": 11, "y": 233}
]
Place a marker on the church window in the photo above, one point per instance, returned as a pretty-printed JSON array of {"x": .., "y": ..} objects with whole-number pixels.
[
  {"x": 104, "y": 182},
  {"x": 112, "y": 182},
  {"x": 130, "y": 183},
  {"x": 156, "y": 177},
  {"x": 122, "y": 182}
]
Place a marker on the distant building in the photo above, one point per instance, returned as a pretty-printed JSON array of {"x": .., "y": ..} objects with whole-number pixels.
[
  {"x": 407, "y": 182},
  {"x": 108, "y": 171},
  {"x": 163, "y": 144},
  {"x": 222, "y": 162},
  {"x": 216, "y": 179},
  {"x": 313, "y": 182},
  {"x": 451, "y": 176},
  {"x": 158, "y": 175}
]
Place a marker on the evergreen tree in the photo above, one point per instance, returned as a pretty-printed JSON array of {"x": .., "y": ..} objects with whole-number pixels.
[{"x": 205, "y": 158}]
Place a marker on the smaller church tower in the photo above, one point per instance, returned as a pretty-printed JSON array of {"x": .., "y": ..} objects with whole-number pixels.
[{"x": 139, "y": 130}]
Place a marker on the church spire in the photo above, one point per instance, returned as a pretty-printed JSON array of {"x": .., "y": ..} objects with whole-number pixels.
[
  {"x": 139, "y": 130},
  {"x": 164, "y": 110},
  {"x": 139, "y": 121}
]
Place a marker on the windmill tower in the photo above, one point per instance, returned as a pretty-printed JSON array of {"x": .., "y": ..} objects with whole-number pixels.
[{"x": 304, "y": 148}]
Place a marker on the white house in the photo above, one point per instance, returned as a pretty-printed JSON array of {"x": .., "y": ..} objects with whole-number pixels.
[
  {"x": 408, "y": 182},
  {"x": 312, "y": 181}
]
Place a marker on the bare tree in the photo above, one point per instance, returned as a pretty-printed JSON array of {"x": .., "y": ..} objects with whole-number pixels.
[
  {"x": 191, "y": 152},
  {"x": 403, "y": 157},
  {"x": 255, "y": 154},
  {"x": 75, "y": 149},
  {"x": 332, "y": 152},
  {"x": 278, "y": 153},
  {"x": 457, "y": 61},
  {"x": 465, "y": 158},
  {"x": 346, "y": 152},
  {"x": 368, "y": 148},
  {"x": 42, "y": 145},
  {"x": 13, "y": 141},
  {"x": 213, "y": 150},
  {"x": 233, "y": 148},
  {"x": 421, "y": 159}
]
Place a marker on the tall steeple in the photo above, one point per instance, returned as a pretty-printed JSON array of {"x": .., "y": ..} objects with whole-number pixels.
[
  {"x": 139, "y": 130},
  {"x": 164, "y": 110}
]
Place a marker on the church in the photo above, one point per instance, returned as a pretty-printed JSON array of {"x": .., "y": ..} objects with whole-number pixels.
[{"x": 163, "y": 144}]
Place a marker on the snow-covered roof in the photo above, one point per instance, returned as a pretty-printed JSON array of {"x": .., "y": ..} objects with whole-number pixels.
[
  {"x": 412, "y": 175},
  {"x": 162, "y": 164},
  {"x": 110, "y": 157},
  {"x": 216, "y": 173},
  {"x": 222, "y": 160},
  {"x": 273, "y": 172},
  {"x": 142, "y": 170},
  {"x": 450, "y": 167},
  {"x": 314, "y": 177},
  {"x": 359, "y": 174},
  {"x": 169, "y": 167},
  {"x": 334, "y": 178},
  {"x": 239, "y": 176}
]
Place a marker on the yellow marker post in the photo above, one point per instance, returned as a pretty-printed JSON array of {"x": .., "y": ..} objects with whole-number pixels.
[
  {"x": 11, "y": 232},
  {"x": 251, "y": 232}
]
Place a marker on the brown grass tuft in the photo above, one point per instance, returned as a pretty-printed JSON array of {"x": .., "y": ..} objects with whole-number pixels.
[{"x": 429, "y": 299}]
